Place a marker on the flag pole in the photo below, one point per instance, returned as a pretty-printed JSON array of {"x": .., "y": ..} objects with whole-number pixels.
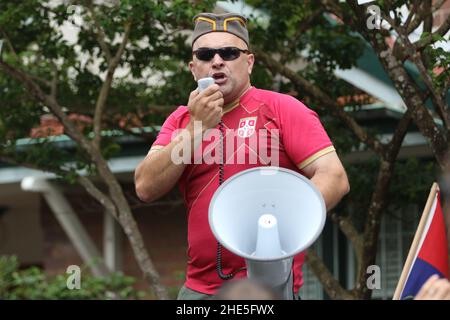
[{"x": 415, "y": 243}]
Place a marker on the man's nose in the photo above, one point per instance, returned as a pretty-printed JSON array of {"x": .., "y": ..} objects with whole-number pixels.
[{"x": 217, "y": 61}]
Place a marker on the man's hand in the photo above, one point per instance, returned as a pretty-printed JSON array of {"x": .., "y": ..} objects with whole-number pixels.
[
  {"x": 206, "y": 106},
  {"x": 434, "y": 288}
]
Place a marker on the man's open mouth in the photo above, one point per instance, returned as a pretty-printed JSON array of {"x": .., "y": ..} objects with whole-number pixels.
[{"x": 219, "y": 77}]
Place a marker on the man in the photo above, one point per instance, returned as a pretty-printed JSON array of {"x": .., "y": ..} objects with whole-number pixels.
[{"x": 221, "y": 50}]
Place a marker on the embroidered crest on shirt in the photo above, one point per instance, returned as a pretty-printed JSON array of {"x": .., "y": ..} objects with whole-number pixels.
[{"x": 247, "y": 127}]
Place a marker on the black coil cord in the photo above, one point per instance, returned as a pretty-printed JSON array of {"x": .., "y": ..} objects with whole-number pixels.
[{"x": 221, "y": 178}]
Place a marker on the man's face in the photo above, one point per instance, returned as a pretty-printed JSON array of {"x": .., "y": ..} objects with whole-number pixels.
[{"x": 233, "y": 77}]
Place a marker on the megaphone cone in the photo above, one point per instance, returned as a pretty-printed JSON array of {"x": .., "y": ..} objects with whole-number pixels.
[{"x": 267, "y": 215}]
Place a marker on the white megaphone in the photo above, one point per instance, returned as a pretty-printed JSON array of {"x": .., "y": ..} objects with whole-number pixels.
[{"x": 267, "y": 215}]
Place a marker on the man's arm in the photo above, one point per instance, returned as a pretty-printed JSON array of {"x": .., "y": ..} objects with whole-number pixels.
[
  {"x": 158, "y": 173},
  {"x": 328, "y": 175}
]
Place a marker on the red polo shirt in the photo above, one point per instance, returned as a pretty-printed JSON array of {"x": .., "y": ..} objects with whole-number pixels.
[{"x": 293, "y": 133}]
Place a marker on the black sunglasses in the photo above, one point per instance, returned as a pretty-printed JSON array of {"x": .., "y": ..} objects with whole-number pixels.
[{"x": 226, "y": 53}]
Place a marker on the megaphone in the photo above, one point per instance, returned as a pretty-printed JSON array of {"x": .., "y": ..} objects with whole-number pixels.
[{"x": 267, "y": 215}]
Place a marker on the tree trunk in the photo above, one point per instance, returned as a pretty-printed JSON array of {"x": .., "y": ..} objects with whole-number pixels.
[
  {"x": 377, "y": 206},
  {"x": 128, "y": 223}
]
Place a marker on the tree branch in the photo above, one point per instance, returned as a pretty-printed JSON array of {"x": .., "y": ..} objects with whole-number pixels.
[
  {"x": 427, "y": 27},
  {"x": 417, "y": 20},
  {"x": 41, "y": 80},
  {"x": 421, "y": 15},
  {"x": 106, "y": 86},
  {"x": 98, "y": 195},
  {"x": 414, "y": 55},
  {"x": 332, "y": 287},
  {"x": 324, "y": 99},
  {"x": 428, "y": 21},
  {"x": 35, "y": 91},
  {"x": 441, "y": 31},
  {"x": 9, "y": 44},
  {"x": 347, "y": 227},
  {"x": 393, "y": 147},
  {"x": 378, "y": 204},
  {"x": 54, "y": 82},
  {"x": 99, "y": 34},
  {"x": 412, "y": 12}
]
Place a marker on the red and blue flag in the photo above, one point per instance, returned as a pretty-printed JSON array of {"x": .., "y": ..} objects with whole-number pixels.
[{"x": 431, "y": 255}]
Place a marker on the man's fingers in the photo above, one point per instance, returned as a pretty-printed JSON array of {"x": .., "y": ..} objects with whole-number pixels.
[
  {"x": 219, "y": 111},
  {"x": 216, "y": 95},
  {"x": 193, "y": 94},
  {"x": 424, "y": 292},
  {"x": 441, "y": 290},
  {"x": 214, "y": 99},
  {"x": 210, "y": 90},
  {"x": 220, "y": 102}
]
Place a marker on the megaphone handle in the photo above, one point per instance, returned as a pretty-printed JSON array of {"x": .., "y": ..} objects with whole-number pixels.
[{"x": 221, "y": 178}]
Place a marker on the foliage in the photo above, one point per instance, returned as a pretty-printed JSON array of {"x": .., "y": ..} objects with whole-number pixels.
[
  {"x": 33, "y": 283},
  {"x": 411, "y": 182},
  {"x": 57, "y": 42}
]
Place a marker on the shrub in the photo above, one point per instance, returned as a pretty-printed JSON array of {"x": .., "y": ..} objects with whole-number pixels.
[{"x": 33, "y": 283}]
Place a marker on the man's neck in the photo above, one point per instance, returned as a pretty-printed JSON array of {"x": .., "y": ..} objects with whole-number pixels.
[{"x": 228, "y": 106}]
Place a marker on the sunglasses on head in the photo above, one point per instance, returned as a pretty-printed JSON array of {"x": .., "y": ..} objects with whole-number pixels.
[{"x": 226, "y": 53}]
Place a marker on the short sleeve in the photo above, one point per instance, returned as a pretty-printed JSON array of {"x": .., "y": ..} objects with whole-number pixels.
[
  {"x": 303, "y": 135},
  {"x": 171, "y": 125}
]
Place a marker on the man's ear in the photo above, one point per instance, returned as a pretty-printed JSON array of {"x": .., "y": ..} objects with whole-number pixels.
[
  {"x": 191, "y": 67},
  {"x": 250, "y": 62}
]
